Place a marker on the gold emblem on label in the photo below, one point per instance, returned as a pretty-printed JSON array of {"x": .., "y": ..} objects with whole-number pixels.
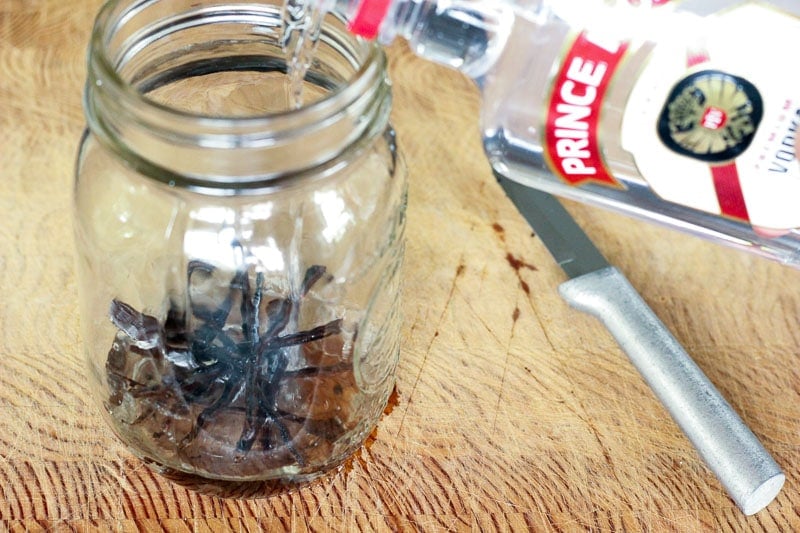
[{"x": 711, "y": 116}]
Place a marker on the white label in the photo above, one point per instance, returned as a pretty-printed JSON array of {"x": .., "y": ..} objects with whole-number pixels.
[{"x": 740, "y": 83}]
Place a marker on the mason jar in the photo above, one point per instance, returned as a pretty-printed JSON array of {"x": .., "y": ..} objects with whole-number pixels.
[{"x": 240, "y": 236}]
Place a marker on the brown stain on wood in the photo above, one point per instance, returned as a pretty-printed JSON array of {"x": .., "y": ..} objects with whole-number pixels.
[
  {"x": 525, "y": 287},
  {"x": 518, "y": 264},
  {"x": 500, "y": 231},
  {"x": 392, "y": 402}
]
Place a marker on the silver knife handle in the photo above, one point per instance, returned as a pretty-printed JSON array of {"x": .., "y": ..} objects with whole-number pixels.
[{"x": 746, "y": 470}]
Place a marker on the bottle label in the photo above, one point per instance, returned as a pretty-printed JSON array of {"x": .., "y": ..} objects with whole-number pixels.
[
  {"x": 573, "y": 117},
  {"x": 712, "y": 118}
]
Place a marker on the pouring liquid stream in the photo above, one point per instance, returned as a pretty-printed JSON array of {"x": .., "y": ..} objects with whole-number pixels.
[{"x": 302, "y": 24}]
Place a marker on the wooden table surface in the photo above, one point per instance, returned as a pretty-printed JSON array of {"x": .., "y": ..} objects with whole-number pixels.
[{"x": 513, "y": 411}]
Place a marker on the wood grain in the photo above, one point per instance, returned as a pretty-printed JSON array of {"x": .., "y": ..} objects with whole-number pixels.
[{"x": 513, "y": 411}]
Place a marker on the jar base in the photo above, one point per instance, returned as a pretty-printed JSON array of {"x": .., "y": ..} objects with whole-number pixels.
[{"x": 239, "y": 489}]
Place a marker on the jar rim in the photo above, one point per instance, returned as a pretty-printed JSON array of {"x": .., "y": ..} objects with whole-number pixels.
[
  {"x": 178, "y": 145},
  {"x": 371, "y": 65}
]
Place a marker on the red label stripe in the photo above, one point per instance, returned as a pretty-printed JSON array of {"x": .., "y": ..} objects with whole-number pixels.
[
  {"x": 729, "y": 191},
  {"x": 573, "y": 115}
]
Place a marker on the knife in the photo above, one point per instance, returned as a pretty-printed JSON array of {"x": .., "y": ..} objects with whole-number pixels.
[{"x": 745, "y": 469}]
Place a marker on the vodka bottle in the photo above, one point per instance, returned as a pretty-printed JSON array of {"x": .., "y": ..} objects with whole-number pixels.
[{"x": 679, "y": 112}]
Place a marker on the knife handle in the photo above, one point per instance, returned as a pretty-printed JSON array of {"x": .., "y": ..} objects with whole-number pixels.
[{"x": 746, "y": 470}]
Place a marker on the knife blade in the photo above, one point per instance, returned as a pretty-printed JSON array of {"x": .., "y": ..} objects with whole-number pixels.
[{"x": 729, "y": 448}]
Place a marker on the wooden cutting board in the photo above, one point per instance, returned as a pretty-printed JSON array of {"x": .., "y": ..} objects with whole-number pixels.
[{"x": 513, "y": 412}]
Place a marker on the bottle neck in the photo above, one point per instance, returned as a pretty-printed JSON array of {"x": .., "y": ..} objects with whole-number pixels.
[
  {"x": 467, "y": 35},
  {"x": 200, "y": 97}
]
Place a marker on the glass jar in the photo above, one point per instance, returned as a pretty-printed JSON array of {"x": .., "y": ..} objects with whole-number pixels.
[{"x": 239, "y": 256}]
